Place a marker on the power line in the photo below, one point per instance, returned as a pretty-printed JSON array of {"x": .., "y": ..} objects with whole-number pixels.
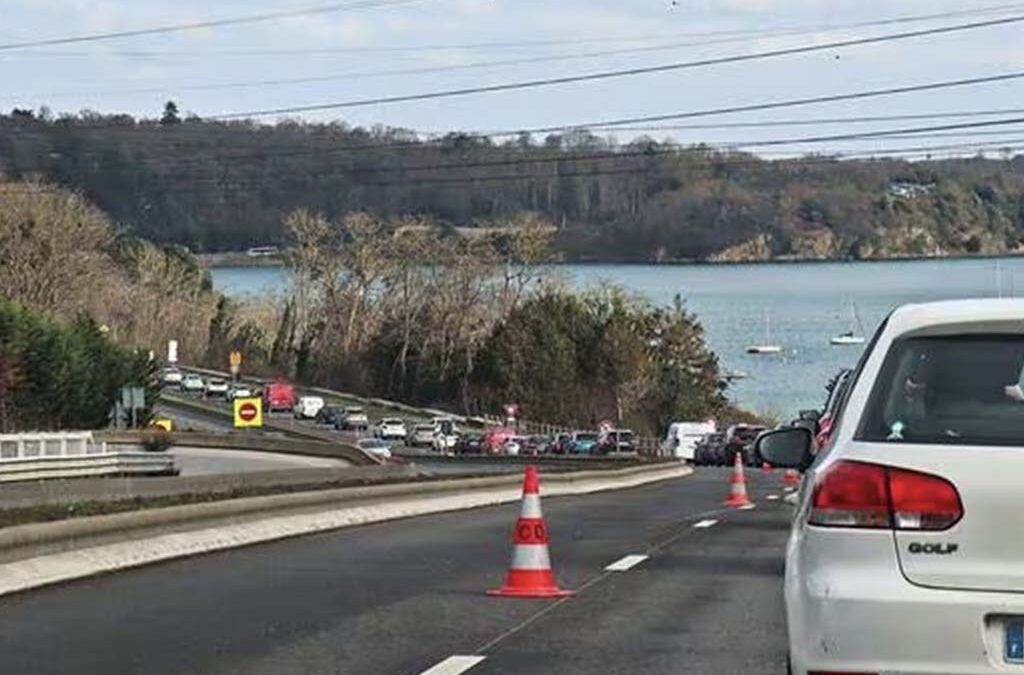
[
  {"x": 814, "y": 121},
  {"x": 773, "y": 105},
  {"x": 423, "y": 70},
  {"x": 415, "y": 143},
  {"x": 742, "y": 34},
  {"x": 214, "y": 23},
  {"x": 627, "y": 72}
]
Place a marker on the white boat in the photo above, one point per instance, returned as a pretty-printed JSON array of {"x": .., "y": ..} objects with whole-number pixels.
[
  {"x": 850, "y": 337},
  {"x": 847, "y": 339},
  {"x": 764, "y": 349},
  {"x": 767, "y": 347}
]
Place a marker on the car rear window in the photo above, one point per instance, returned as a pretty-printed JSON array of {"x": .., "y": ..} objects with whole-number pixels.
[{"x": 950, "y": 390}]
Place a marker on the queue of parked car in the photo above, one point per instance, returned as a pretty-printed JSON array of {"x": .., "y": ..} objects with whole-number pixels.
[{"x": 440, "y": 434}]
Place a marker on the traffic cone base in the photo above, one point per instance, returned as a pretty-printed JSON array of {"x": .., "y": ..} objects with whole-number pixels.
[
  {"x": 530, "y": 584},
  {"x": 530, "y": 574}
]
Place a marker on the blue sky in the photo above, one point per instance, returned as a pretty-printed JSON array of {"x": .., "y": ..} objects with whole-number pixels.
[{"x": 111, "y": 76}]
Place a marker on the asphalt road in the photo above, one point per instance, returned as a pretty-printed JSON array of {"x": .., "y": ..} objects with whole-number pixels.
[{"x": 403, "y": 596}]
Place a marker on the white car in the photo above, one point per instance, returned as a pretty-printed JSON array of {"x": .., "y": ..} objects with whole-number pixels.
[
  {"x": 512, "y": 447},
  {"x": 240, "y": 391},
  {"x": 192, "y": 384},
  {"x": 353, "y": 419},
  {"x": 391, "y": 428},
  {"x": 172, "y": 376},
  {"x": 422, "y": 434},
  {"x": 906, "y": 553},
  {"x": 374, "y": 446},
  {"x": 307, "y": 407},
  {"x": 216, "y": 388}
]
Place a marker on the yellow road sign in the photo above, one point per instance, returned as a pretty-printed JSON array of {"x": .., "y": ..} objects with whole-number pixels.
[
  {"x": 248, "y": 413},
  {"x": 235, "y": 358}
]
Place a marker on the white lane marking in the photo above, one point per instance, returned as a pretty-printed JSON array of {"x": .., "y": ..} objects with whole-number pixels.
[
  {"x": 626, "y": 563},
  {"x": 772, "y": 498},
  {"x": 453, "y": 665},
  {"x": 711, "y": 522},
  {"x": 748, "y": 507}
]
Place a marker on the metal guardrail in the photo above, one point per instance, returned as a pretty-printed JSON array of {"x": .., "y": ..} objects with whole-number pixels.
[{"x": 45, "y": 455}]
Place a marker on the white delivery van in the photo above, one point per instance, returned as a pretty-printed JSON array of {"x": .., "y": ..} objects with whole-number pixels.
[
  {"x": 682, "y": 438},
  {"x": 307, "y": 407}
]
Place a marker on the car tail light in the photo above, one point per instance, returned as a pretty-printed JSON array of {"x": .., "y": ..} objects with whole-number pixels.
[
  {"x": 852, "y": 494},
  {"x": 858, "y": 494},
  {"x": 923, "y": 502}
]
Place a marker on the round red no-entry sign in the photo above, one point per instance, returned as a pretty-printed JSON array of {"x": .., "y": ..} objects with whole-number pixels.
[{"x": 247, "y": 412}]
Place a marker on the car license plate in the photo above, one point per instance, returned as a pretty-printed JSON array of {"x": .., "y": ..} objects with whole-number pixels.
[{"x": 1014, "y": 642}]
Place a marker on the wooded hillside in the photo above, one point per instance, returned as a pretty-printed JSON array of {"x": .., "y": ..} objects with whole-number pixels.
[{"x": 216, "y": 186}]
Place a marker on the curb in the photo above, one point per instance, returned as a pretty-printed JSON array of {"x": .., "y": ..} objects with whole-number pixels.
[{"x": 269, "y": 518}]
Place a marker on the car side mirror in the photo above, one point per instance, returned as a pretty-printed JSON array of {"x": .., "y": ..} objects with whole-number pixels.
[{"x": 786, "y": 448}]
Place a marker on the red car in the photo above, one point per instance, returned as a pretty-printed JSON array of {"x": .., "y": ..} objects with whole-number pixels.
[
  {"x": 279, "y": 397},
  {"x": 494, "y": 440}
]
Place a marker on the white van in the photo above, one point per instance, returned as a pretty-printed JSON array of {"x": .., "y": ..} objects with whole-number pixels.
[
  {"x": 307, "y": 407},
  {"x": 682, "y": 437}
]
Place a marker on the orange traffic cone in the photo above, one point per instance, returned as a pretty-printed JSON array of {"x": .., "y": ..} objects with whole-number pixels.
[
  {"x": 766, "y": 467},
  {"x": 738, "y": 485},
  {"x": 791, "y": 477},
  {"x": 530, "y": 575}
]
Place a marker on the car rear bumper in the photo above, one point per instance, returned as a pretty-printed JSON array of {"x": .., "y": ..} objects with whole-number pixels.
[{"x": 850, "y": 609}]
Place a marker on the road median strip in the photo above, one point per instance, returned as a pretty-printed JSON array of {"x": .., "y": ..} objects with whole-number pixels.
[{"x": 47, "y": 553}]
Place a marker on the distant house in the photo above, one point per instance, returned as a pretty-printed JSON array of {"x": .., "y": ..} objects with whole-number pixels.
[
  {"x": 905, "y": 189},
  {"x": 262, "y": 251}
]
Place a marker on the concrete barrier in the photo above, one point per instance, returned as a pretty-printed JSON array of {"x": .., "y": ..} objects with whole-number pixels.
[
  {"x": 73, "y": 493},
  {"x": 109, "y": 543},
  {"x": 312, "y": 447}
]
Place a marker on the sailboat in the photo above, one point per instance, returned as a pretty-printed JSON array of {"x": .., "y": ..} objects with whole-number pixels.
[
  {"x": 850, "y": 337},
  {"x": 767, "y": 347}
]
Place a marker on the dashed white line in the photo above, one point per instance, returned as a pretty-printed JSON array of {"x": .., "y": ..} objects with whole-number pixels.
[
  {"x": 453, "y": 665},
  {"x": 748, "y": 507},
  {"x": 711, "y": 522},
  {"x": 772, "y": 498},
  {"x": 626, "y": 563}
]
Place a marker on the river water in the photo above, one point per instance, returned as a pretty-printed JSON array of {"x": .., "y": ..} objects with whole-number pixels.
[{"x": 801, "y": 304}]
